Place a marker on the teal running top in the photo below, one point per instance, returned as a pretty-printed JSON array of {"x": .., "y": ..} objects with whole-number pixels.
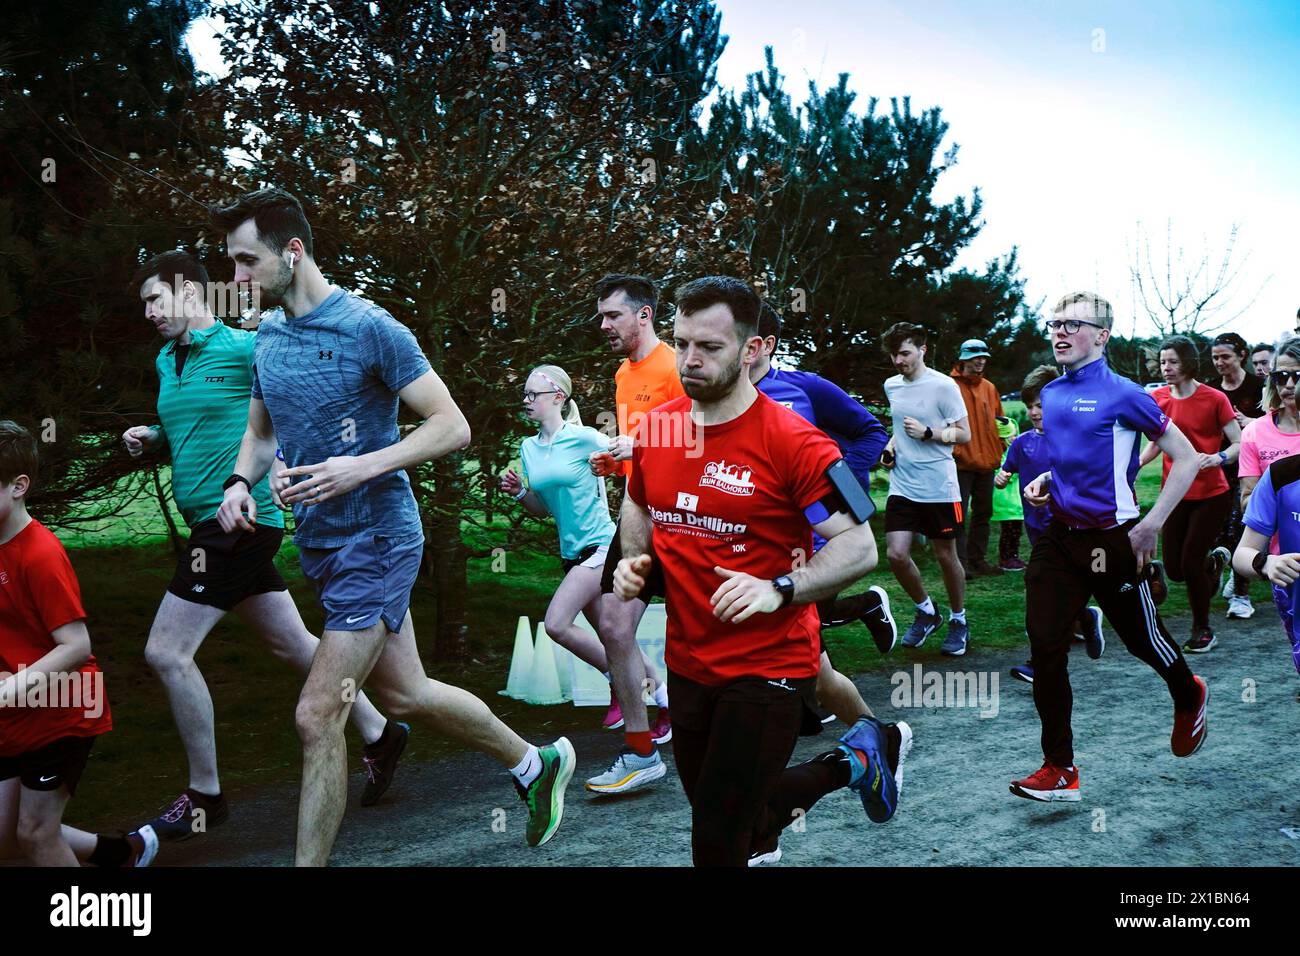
[{"x": 558, "y": 473}]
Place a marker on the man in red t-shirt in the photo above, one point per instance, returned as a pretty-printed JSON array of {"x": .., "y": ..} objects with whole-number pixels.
[
  {"x": 728, "y": 487},
  {"x": 52, "y": 701}
]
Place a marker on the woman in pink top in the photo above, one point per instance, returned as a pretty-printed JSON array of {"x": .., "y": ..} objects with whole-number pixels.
[{"x": 1277, "y": 434}]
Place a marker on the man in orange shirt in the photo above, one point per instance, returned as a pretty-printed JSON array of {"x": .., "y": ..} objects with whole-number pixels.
[
  {"x": 645, "y": 380},
  {"x": 978, "y": 459}
]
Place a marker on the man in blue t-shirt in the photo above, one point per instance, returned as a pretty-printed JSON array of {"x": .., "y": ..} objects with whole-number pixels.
[
  {"x": 1274, "y": 509},
  {"x": 1096, "y": 545},
  {"x": 327, "y": 380},
  {"x": 861, "y": 439}
]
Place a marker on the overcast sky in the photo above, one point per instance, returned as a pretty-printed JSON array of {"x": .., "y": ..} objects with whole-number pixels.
[{"x": 1076, "y": 120}]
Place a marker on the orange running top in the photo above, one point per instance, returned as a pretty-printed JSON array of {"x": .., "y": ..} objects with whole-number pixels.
[{"x": 641, "y": 386}]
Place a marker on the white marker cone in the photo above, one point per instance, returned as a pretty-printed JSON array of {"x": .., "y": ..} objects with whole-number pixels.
[
  {"x": 543, "y": 679},
  {"x": 521, "y": 662}
]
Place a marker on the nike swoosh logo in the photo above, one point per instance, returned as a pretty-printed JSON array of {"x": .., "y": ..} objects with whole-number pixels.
[
  {"x": 48, "y": 779},
  {"x": 361, "y": 617}
]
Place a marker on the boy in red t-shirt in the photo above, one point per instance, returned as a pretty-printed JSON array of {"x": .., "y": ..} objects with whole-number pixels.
[
  {"x": 730, "y": 501},
  {"x": 52, "y": 701}
]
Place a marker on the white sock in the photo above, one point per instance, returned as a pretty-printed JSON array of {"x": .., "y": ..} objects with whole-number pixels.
[
  {"x": 958, "y": 616},
  {"x": 661, "y": 695},
  {"x": 926, "y": 606},
  {"x": 530, "y": 768}
]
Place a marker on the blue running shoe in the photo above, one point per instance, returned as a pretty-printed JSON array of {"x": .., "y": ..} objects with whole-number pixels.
[
  {"x": 869, "y": 775},
  {"x": 922, "y": 627},
  {"x": 954, "y": 645},
  {"x": 1024, "y": 672}
]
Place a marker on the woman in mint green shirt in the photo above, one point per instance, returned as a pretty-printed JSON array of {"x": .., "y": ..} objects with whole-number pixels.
[{"x": 560, "y": 483}]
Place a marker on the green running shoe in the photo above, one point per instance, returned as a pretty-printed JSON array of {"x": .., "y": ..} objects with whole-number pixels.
[{"x": 545, "y": 796}]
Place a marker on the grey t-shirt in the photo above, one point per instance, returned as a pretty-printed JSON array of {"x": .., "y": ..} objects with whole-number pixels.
[
  {"x": 330, "y": 380},
  {"x": 924, "y": 470}
]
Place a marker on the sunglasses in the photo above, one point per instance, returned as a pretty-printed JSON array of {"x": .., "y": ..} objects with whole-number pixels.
[{"x": 1282, "y": 379}]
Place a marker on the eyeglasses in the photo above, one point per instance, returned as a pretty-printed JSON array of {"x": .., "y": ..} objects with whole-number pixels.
[
  {"x": 532, "y": 396},
  {"x": 1282, "y": 378},
  {"x": 1070, "y": 325}
]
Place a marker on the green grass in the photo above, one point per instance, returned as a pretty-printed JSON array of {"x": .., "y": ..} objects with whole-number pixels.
[{"x": 141, "y": 763}]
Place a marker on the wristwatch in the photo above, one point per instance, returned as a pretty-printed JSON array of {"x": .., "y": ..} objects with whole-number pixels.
[
  {"x": 1258, "y": 564},
  {"x": 929, "y": 433},
  {"x": 234, "y": 480},
  {"x": 785, "y": 587},
  {"x": 1223, "y": 458}
]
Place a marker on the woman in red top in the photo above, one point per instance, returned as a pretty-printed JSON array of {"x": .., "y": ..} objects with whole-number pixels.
[{"x": 1206, "y": 417}]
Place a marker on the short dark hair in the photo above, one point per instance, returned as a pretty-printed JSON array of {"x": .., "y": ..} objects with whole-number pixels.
[
  {"x": 743, "y": 301},
  {"x": 1189, "y": 357},
  {"x": 1263, "y": 347},
  {"x": 18, "y": 454},
  {"x": 1233, "y": 341},
  {"x": 1034, "y": 382},
  {"x": 277, "y": 213},
  {"x": 639, "y": 290},
  {"x": 769, "y": 321},
  {"x": 167, "y": 266},
  {"x": 901, "y": 332}
]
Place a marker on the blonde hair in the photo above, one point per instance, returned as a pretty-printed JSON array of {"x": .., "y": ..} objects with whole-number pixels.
[
  {"x": 560, "y": 379},
  {"x": 1288, "y": 345},
  {"x": 1102, "y": 313}
]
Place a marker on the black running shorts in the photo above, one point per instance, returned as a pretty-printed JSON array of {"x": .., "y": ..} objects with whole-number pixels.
[
  {"x": 654, "y": 585},
  {"x": 57, "y": 764},
  {"x": 938, "y": 520},
  {"x": 220, "y": 569}
]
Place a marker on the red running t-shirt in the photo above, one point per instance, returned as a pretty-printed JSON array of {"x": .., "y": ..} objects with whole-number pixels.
[
  {"x": 732, "y": 495},
  {"x": 1201, "y": 417},
  {"x": 38, "y": 595}
]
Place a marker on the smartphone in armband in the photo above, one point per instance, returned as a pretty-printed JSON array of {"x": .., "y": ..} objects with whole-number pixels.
[{"x": 850, "y": 490}]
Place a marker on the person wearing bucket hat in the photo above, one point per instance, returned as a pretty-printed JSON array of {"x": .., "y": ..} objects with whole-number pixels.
[{"x": 978, "y": 459}]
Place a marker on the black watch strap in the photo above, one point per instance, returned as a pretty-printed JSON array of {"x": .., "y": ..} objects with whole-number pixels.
[
  {"x": 929, "y": 432},
  {"x": 785, "y": 587},
  {"x": 234, "y": 480},
  {"x": 1258, "y": 563}
]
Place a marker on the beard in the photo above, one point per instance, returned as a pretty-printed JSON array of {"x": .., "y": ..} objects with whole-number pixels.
[
  {"x": 272, "y": 293},
  {"x": 717, "y": 389}
]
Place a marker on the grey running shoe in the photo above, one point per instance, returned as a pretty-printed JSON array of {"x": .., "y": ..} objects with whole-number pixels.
[
  {"x": 629, "y": 771},
  {"x": 922, "y": 627},
  {"x": 954, "y": 645},
  {"x": 1094, "y": 642}
]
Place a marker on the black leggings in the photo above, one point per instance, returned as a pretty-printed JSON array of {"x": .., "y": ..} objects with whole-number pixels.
[
  {"x": 731, "y": 744},
  {"x": 1189, "y": 535}
]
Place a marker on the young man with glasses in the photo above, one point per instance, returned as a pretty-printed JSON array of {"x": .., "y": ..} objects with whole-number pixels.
[{"x": 1096, "y": 545}]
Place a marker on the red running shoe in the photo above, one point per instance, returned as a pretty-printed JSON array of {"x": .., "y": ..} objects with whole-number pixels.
[
  {"x": 614, "y": 716},
  {"x": 1049, "y": 784},
  {"x": 662, "y": 731},
  {"x": 1189, "y": 725}
]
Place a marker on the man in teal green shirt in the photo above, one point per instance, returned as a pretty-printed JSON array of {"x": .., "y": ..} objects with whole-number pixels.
[{"x": 205, "y": 372}]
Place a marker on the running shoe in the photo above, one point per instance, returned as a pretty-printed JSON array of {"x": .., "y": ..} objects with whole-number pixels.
[
  {"x": 1094, "y": 642},
  {"x": 190, "y": 815},
  {"x": 144, "y": 846},
  {"x": 954, "y": 645},
  {"x": 898, "y": 744},
  {"x": 867, "y": 749},
  {"x": 1202, "y": 640},
  {"x": 629, "y": 771},
  {"x": 1012, "y": 564},
  {"x": 380, "y": 760},
  {"x": 614, "y": 716},
  {"x": 544, "y": 797},
  {"x": 1216, "y": 561},
  {"x": 1049, "y": 784},
  {"x": 1229, "y": 587},
  {"x": 881, "y": 624},
  {"x": 1158, "y": 582},
  {"x": 1239, "y": 606},
  {"x": 923, "y": 625},
  {"x": 1190, "y": 725},
  {"x": 662, "y": 731},
  {"x": 768, "y": 853},
  {"x": 1024, "y": 672}
]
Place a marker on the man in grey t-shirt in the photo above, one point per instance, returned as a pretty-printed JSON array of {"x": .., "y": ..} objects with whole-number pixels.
[
  {"x": 929, "y": 418},
  {"x": 328, "y": 376}
]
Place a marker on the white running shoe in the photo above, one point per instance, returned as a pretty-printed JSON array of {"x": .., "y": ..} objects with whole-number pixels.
[{"x": 1239, "y": 606}]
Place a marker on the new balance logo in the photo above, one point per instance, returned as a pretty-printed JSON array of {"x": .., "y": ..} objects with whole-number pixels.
[
  {"x": 197, "y": 589},
  {"x": 325, "y": 354}
]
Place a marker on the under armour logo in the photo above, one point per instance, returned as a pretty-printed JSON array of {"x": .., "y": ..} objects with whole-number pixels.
[{"x": 326, "y": 354}]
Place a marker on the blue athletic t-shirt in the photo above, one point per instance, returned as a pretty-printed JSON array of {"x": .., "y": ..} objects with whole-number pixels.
[
  {"x": 330, "y": 380},
  {"x": 559, "y": 474},
  {"x": 1092, "y": 418},
  {"x": 1274, "y": 509}
]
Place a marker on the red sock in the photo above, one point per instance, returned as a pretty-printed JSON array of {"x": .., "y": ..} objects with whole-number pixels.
[{"x": 640, "y": 742}]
